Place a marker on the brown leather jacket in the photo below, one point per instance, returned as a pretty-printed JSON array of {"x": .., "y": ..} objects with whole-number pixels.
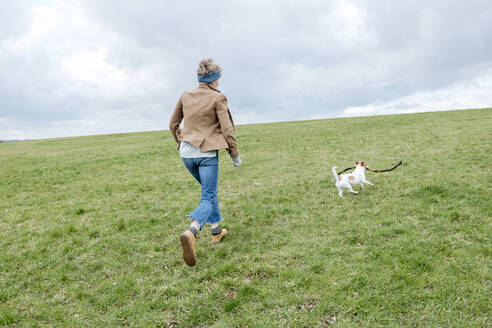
[{"x": 208, "y": 123}]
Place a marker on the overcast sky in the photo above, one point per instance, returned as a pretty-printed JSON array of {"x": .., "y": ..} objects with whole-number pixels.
[{"x": 104, "y": 66}]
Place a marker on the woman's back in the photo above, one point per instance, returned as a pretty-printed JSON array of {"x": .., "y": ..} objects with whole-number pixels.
[
  {"x": 199, "y": 109},
  {"x": 207, "y": 122}
]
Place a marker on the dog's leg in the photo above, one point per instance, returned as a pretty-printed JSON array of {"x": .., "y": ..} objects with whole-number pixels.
[
  {"x": 340, "y": 191},
  {"x": 352, "y": 190},
  {"x": 361, "y": 186},
  {"x": 365, "y": 181}
]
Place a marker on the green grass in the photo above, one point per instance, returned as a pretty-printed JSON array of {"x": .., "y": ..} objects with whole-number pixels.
[{"x": 89, "y": 229}]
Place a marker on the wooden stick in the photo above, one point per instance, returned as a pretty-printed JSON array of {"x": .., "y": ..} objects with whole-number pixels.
[
  {"x": 348, "y": 168},
  {"x": 375, "y": 171},
  {"x": 387, "y": 170}
]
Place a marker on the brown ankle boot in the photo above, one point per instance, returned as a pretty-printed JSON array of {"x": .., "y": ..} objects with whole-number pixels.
[
  {"x": 187, "y": 240},
  {"x": 217, "y": 238}
]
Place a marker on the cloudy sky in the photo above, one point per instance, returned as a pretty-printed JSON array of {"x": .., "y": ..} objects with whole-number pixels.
[{"x": 105, "y": 66}]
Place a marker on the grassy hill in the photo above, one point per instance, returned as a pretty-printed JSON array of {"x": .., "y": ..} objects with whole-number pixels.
[{"x": 89, "y": 228}]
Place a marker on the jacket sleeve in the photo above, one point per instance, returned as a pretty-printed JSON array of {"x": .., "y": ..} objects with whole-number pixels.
[
  {"x": 176, "y": 119},
  {"x": 227, "y": 125}
]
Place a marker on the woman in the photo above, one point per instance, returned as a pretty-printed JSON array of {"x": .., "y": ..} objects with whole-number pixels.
[{"x": 208, "y": 127}]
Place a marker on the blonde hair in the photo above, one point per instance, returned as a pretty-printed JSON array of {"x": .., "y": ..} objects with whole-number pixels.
[{"x": 207, "y": 66}]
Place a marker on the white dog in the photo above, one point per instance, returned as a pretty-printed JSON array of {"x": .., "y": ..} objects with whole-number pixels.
[{"x": 356, "y": 177}]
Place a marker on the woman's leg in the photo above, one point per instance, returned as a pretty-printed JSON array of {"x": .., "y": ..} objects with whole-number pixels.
[
  {"x": 208, "y": 174},
  {"x": 192, "y": 167},
  {"x": 215, "y": 216},
  {"x": 209, "y": 167},
  {"x": 188, "y": 238}
]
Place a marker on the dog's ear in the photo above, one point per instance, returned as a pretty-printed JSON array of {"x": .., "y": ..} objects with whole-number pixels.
[{"x": 356, "y": 163}]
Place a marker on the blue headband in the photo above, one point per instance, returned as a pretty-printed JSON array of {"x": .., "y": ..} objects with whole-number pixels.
[{"x": 210, "y": 77}]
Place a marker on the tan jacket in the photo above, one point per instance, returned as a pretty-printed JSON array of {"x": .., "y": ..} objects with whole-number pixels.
[{"x": 208, "y": 123}]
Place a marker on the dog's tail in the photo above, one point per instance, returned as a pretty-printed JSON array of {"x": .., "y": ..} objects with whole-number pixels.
[{"x": 334, "y": 170}]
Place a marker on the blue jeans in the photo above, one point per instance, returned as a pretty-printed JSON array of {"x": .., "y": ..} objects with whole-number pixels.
[{"x": 206, "y": 171}]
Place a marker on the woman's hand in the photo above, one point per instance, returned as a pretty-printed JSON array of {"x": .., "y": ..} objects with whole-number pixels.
[{"x": 236, "y": 161}]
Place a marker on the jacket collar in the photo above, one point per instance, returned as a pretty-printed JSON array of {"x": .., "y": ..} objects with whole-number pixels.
[{"x": 205, "y": 85}]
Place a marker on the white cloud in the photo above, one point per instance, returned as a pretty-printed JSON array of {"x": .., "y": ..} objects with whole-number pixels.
[
  {"x": 43, "y": 22},
  {"x": 474, "y": 94},
  {"x": 349, "y": 24},
  {"x": 68, "y": 80},
  {"x": 75, "y": 68}
]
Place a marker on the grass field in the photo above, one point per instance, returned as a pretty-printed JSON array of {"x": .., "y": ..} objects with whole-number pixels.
[{"x": 89, "y": 229}]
